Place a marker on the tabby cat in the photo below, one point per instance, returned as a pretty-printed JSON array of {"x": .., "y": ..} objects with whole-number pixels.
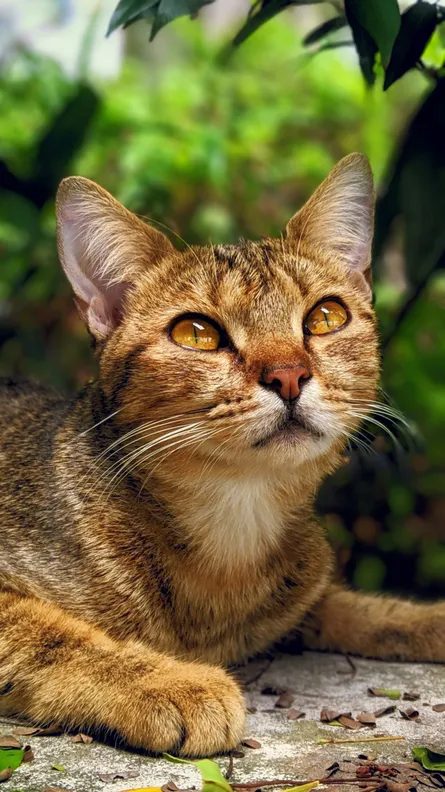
[{"x": 160, "y": 525}]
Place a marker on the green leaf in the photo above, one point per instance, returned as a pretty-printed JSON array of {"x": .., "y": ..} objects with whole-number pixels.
[
  {"x": 168, "y": 10},
  {"x": 430, "y": 760},
  {"x": 160, "y": 11},
  {"x": 320, "y": 32},
  {"x": 418, "y": 25},
  {"x": 266, "y": 11},
  {"x": 11, "y": 757},
  {"x": 366, "y": 49},
  {"x": 380, "y": 19},
  {"x": 386, "y": 693},
  {"x": 58, "y": 767},
  {"x": 128, "y": 11},
  {"x": 212, "y": 778}
]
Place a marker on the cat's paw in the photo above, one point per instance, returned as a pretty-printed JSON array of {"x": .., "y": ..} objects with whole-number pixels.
[{"x": 190, "y": 709}]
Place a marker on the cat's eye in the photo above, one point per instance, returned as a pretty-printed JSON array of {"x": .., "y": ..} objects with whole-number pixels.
[
  {"x": 196, "y": 333},
  {"x": 326, "y": 317}
]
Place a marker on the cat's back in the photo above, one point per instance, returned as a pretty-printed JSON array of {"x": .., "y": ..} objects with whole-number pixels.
[{"x": 29, "y": 415}]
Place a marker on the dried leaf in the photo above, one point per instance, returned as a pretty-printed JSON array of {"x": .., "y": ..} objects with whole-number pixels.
[
  {"x": 410, "y": 714},
  {"x": 120, "y": 775},
  {"x": 438, "y": 707},
  {"x": 170, "y": 786},
  {"x": 327, "y": 715},
  {"x": 9, "y": 742},
  {"x": 285, "y": 701},
  {"x": 385, "y": 693},
  {"x": 367, "y": 718},
  {"x": 5, "y": 774},
  {"x": 28, "y": 755},
  {"x": 273, "y": 690},
  {"x": 295, "y": 714},
  {"x": 55, "y": 789},
  {"x": 237, "y": 754},
  {"x": 397, "y": 786},
  {"x": 250, "y": 743},
  {"x": 35, "y": 731},
  {"x": 385, "y": 711},
  {"x": 252, "y": 710},
  {"x": 82, "y": 738},
  {"x": 409, "y": 696},
  {"x": 349, "y": 723}
]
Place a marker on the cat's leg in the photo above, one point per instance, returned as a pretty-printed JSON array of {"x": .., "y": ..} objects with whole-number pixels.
[
  {"x": 376, "y": 626},
  {"x": 56, "y": 668}
]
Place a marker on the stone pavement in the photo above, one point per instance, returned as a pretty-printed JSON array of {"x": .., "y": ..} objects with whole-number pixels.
[{"x": 289, "y": 749}]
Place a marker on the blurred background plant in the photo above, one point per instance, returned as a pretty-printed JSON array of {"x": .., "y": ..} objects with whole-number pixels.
[{"x": 219, "y": 147}]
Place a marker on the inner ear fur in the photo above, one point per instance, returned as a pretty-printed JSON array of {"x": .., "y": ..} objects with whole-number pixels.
[
  {"x": 102, "y": 248},
  {"x": 338, "y": 219}
]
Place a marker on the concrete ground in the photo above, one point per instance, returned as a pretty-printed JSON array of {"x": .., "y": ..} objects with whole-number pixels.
[{"x": 289, "y": 748}]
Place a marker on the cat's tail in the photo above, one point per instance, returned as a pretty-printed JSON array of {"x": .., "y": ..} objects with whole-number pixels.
[{"x": 376, "y": 626}]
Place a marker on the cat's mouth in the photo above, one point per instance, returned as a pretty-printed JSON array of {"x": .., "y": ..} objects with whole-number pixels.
[{"x": 290, "y": 429}]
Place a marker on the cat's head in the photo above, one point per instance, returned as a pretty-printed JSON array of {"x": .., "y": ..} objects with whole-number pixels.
[{"x": 253, "y": 354}]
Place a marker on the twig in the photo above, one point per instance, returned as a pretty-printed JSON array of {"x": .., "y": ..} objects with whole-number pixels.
[
  {"x": 326, "y": 741},
  {"x": 287, "y": 782}
]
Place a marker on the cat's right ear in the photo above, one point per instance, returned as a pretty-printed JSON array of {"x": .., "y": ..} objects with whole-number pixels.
[{"x": 102, "y": 248}]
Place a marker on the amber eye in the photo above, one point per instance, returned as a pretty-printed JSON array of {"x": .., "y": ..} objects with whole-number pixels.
[
  {"x": 326, "y": 317},
  {"x": 196, "y": 333}
]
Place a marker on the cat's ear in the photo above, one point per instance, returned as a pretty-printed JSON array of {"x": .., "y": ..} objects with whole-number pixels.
[
  {"x": 339, "y": 218},
  {"x": 102, "y": 248}
]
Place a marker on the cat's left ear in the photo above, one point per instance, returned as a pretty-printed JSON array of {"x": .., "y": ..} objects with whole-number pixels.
[{"x": 338, "y": 219}]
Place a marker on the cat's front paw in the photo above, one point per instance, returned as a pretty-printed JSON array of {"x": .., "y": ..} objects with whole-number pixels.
[{"x": 190, "y": 709}]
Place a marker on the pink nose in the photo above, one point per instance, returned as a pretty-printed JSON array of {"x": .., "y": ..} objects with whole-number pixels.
[{"x": 287, "y": 382}]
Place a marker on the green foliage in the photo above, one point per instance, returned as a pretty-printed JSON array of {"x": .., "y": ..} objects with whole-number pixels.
[
  {"x": 430, "y": 760},
  {"x": 221, "y": 152},
  {"x": 159, "y": 12},
  {"x": 376, "y": 25}
]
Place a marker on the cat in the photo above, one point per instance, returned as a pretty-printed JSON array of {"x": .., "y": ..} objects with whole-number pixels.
[{"x": 160, "y": 526}]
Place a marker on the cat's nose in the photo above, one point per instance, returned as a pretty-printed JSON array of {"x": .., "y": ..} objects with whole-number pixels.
[{"x": 286, "y": 382}]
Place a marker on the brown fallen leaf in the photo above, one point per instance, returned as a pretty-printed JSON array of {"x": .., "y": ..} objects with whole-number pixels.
[
  {"x": 28, "y": 755},
  {"x": 82, "y": 738},
  {"x": 410, "y": 714},
  {"x": 438, "y": 707},
  {"x": 332, "y": 769},
  {"x": 119, "y": 776},
  {"x": 36, "y": 731},
  {"x": 7, "y": 741},
  {"x": 5, "y": 774},
  {"x": 170, "y": 786},
  {"x": 385, "y": 711},
  {"x": 285, "y": 701},
  {"x": 55, "y": 789},
  {"x": 295, "y": 714},
  {"x": 237, "y": 754},
  {"x": 273, "y": 690},
  {"x": 397, "y": 786},
  {"x": 367, "y": 718},
  {"x": 327, "y": 715},
  {"x": 409, "y": 696},
  {"x": 349, "y": 723},
  {"x": 252, "y": 710},
  {"x": 249, "y": 742}
]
